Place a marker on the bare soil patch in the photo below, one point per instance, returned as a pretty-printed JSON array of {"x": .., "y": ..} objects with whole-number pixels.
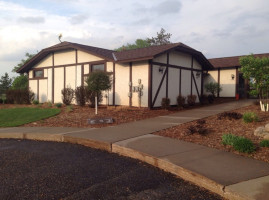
[{"x": 217, "y": 127}]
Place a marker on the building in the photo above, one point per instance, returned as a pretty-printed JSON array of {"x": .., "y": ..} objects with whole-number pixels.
[
  {"x": 227, "y": 73},
  {"x": 164, "y": 71}
]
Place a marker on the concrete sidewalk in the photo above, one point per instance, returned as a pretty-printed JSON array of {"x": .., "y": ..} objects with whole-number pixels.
[{"x": 227, "y": 174}]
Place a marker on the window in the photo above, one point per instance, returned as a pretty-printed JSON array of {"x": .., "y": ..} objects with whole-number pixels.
[
  {"x": 98, "y": 67},
  {"x": 38, "y": 73}
]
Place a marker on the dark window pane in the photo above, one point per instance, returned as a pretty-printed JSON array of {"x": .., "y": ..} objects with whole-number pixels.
[
  {"x": 38, "y": 73},
  {"x": 99, "y": 67}
]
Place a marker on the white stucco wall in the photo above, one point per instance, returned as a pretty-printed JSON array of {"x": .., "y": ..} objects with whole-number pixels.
[
  {"x": 64, "y": 57},
  {"x": 156, "y": 80},
  {"x": 43, "y": 90},
  {"x": 49, "y": 84},
  {"x": 173, "y": 85},
  {"x": 228, "y": 85},
  {"x": 122, "y": 84},
  {"x": 140, "y": 71},
  {"x": 180, "y": 59},
  {"x": 185, "y": 83},
  {"x": 45, "y": 62},
  {"x": 70, "y": 77},
  {"x": 161, "y": 58},
  {"x": 86, "y": 57},
  {"x": 58, "y": 84},
  {"x": 33, "y": 87}
]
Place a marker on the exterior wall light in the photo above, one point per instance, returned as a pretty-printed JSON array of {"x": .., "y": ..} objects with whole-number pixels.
[
  {"x": 232, "y": 76},
  {"x": 161, "y": 69},
  {"x": 198, "y": 74}
]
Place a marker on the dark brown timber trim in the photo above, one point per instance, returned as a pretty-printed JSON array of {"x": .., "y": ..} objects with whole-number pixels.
[
  {"x": 160, "y": 85},
  {"x": 76, "y": 56},
  {"x": 114, "y": 67},
  {"x": 179, "y": 91},
  {"x": 65, "y": 77},
  {"x": 52, "y": 95},
  {"x": 218, "y": 80},
  {"x": 130, "y": 82},
  {"x": 202, "y": 84},
  {"x": 196, "y": 87},
  {"x": 175, "y": 66},
  {"x": 191, "y": 72},
  {"x": 167, "y": 75},
  {"x": 82, "y": 73},
  {"x": 236, "y": 80},
  {"x": 150, "y": 84}
]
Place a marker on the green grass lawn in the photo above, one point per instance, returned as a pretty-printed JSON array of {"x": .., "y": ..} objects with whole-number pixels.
[{"x": 18, "y": 116}]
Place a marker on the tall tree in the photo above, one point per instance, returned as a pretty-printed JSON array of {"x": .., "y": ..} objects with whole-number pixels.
[
  {"x": 5, "y": 83},
  {"x": 161, "y": 38},
  {"x": 20, "y": 82},
  {"x": 257, "y": 71},
  {"x": 23, "y": 61}
]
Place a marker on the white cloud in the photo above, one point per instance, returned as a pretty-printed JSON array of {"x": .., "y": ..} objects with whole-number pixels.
[{"x": 217, "y": 28}]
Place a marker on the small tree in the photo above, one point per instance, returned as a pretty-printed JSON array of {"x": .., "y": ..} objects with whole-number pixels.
[
  {"x": 213, "y": 88},
  {"x": 97, "y": 82},
  {"x": 5, "y": 83},
  {"x": 257, "y": 71},
  {"x": 20, "y": 82}
]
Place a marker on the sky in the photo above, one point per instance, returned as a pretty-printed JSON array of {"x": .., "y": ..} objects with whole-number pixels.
[{"x": 217, "y": 28}]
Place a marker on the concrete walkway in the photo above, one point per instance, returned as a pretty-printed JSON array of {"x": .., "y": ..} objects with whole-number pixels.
[{"x": 227, "y": 174}]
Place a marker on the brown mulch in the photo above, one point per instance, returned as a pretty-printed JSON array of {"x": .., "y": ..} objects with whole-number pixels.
[
  {"x": 77, "y": 116},
  {"x": 217, "y": 127}
]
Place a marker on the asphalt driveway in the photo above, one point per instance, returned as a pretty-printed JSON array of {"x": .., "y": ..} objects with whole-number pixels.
[{"x": 51, "y": 170}]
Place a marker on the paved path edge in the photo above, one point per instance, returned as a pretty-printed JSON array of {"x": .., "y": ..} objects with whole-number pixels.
[{"x": 167, "y": 166}]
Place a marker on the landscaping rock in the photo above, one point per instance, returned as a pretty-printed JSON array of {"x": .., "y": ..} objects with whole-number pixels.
[
  {"x": 260, "y": 131},
  {"x": 266, "y": 137},
  {"x": 267, "y": 128}
]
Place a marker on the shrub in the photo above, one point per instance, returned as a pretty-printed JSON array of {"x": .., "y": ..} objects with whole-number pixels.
[
  {"x": 67, "y": 95},
  {"x": 210, "y": 98},
  {"x": 250, "y": 117},
  {"x": 229, "y": 139},
  {"x": 191, "y": 100},
  {"x": 213, "y": 88},
  {"x": 1, "y": 101},
  {"x": 165, "y": 103},
  {"x": 240, "y": 144},
  {"x": 80, "y": 94},
  {"x": 69, "y": 108},
  {"x": 230, "y": 115},
  {"x": 244, "y": 145},
  {"x": 58, "y": 105},
  {"x": 35, "y": 102},
  {"x": 19, "y": 96},
  {"x": 264, "y": 143},
  {"x": 200, "y": 121},
  {"x": 192, "y": 129},
  {"x": 200, "y": 129},
  {"x": 204, "y": 99},
  {"x": 180, "y": 101}
]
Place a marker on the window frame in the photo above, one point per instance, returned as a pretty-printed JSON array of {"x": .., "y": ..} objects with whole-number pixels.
[
  {"x": 38, "y": 77},
  {"x": 101, "y": 63}
]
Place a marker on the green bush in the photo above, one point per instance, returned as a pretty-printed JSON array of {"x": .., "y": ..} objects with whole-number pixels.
[
  {"x": 250, "y": 117},
  {"x": 213, "y": 88},
  {"x": 67, "y": 95},
  {"x": 165, "y": 103},
  {"x": 58, "y": 105},
  {"x": 229, "y": 139},
  {"x": 264, "y": 143},
  {"x": 240, "y": 144},
  {"x": 244, "y": 145},
  {"x": 35, "y": 102}
]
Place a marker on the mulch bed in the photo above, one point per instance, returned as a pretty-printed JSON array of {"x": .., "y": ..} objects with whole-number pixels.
[{"x": 217, "y": 127}]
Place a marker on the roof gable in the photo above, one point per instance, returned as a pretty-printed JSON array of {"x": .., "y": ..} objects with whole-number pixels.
[{"x": 123, "y": 56}]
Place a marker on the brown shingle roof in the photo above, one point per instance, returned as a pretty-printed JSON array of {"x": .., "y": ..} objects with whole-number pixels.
[
  {"x": 123, "y": 56},
  {"x": 227, "y": 62}
]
